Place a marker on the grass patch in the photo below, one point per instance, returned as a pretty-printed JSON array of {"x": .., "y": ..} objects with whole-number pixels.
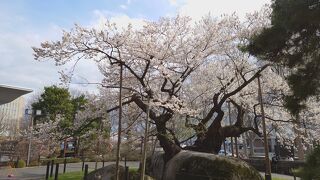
[
  {"x": 78, "y": 175},
  {"x": 133, "y": 170},
  {"x": 277, "y": 178}
]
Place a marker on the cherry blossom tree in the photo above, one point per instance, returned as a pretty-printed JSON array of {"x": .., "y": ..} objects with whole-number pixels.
[{"x": 189, "y": 70}]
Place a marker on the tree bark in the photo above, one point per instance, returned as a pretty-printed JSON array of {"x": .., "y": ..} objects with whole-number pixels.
[
  {"x": 208, "y": 139},
  {"x": 170, "y": 148},
  {"x": 214, "y": 136}
]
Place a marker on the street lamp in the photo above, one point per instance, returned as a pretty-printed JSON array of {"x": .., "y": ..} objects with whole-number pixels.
[{"x": 32, "y": 115}]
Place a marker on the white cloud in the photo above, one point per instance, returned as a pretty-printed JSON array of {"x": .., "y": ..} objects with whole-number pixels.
[
  {"x": 18, "y": 67},
  {"x": 198, "y": 8},
  {"x": 122, "y": 6},
  {"x": 173, "y": 2},
  {"x": 121, "y": 20}
]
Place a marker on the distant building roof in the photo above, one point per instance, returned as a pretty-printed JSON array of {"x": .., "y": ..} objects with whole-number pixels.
[{"x": 10, "y": 93}]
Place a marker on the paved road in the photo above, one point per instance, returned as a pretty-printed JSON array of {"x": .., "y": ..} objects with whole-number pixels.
[{"x": 38, "y": 172}]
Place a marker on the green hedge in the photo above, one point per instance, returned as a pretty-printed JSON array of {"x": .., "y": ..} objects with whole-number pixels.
[
  {"x": 34, "y": 163},
  {"x": 60, "y": 160}
]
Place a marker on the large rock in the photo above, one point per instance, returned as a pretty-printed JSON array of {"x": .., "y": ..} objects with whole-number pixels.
[
  {"x": 106, "y": 173},
  {"x": 189, "y": 165}
]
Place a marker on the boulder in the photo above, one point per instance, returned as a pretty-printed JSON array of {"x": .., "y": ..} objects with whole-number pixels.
[
  {"x": 106, "y": 173},
  {"x": 109, "y": 173},
  {"x": 190, "y": 165}
]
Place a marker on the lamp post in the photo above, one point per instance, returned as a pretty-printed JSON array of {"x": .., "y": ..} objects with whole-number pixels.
[{"x": 32, "y": 114}]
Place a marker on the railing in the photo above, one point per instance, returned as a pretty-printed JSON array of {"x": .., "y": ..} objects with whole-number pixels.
[{"x": 54, "y": 163}]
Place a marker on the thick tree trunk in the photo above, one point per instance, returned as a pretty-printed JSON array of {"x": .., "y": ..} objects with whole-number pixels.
[
  {"x": 169, "y": 147},
  {"x": 212, "y": 140}
]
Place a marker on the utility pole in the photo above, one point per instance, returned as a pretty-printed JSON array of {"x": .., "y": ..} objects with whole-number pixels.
[
  {"x": 119, "y": 125},
  {"x": 145, "y": 142},
  {"x": 266, "y": 147}
]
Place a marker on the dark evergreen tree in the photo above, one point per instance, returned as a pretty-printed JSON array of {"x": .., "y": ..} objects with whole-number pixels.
[
  {"x": 293, "y": 41},
  {"x": 57, "y": 101}
]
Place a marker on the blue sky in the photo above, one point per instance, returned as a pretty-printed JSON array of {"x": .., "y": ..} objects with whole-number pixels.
[{"x": 26, "y": 23}]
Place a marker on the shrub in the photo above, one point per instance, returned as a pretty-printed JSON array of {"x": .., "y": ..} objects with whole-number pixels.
[
  {"x": 21, "y": 164},
  {"x": 311, "y": 170},
  {"x": 60, "y": 160},
  {"x": 34, "y": 163}
]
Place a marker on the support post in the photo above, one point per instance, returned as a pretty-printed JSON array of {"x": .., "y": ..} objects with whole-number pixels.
[
  {"x": 145, "y": 142},
  {"x": 266, "y": 147},
  {"x": 119, "y": 125},
  {"x": 86, "y": 172},
  {"x": 82, "y": 163},
  {"x": 126, "y": 173},
  {"x": 236, "y": 144},
  {"x": 125, "y": 161},
  {"x": 64, "y": 165},
  {"x": 47, "y": 171},
  {"x": 51, "y": 170},
  {"x": 229, "y": 114},
  {"x": 57, "y": 172},
  {"x": 224, "y": 147}
]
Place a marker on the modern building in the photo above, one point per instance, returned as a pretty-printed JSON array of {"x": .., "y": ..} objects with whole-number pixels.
[{"x": 11, "y": 109}]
